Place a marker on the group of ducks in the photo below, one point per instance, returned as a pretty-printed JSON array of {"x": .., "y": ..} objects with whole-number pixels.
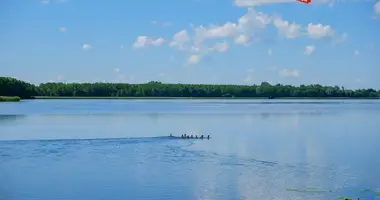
[
  {"x": 184, "y": 136},
  {"x": 196, "y": 136}
]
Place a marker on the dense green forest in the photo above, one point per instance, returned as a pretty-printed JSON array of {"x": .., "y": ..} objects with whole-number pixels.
[{"x": 14, "y": 87}]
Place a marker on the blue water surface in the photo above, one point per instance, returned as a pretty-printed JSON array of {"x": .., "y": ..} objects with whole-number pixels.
[{"x": 259, "y": 149}]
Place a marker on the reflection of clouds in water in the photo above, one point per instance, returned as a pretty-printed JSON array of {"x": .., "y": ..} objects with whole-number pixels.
[
  {"x": 290, "y": 122},
  {"x": 206, "y": 182},
  {"x": 247, "y": 179}
]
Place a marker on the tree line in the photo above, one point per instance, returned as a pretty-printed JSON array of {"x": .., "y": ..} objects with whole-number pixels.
[{"x": 13, "y": 87}]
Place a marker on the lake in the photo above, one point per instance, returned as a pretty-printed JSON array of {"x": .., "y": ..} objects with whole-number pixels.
[{"x": 259, "y": 149}]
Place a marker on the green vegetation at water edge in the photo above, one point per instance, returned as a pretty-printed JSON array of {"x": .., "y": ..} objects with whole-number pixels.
[
  {"x": 10, "y": 87},
  {"x": 14, "y": 87},
  {"x": 7, "y": 98}
]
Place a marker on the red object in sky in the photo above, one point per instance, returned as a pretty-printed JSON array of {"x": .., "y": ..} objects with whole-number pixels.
[{"x": 304, "y": 1}]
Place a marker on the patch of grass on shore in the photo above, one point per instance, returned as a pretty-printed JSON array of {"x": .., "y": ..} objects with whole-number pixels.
[{"x": 9, "y": 99}]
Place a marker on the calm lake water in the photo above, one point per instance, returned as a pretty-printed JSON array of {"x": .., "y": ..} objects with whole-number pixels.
[{"x": 260, "y": 149}]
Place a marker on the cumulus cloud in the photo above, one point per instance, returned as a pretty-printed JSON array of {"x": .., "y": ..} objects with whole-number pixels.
[
  {"x": 288, "y": 73},
  {"x": 193, "y": 59},
  {"x": 180, "y": 39},
  {"x": 158, "y": 42},
  {"x": 86, "y": 46},
  {"x": 221, "y": 47},
  {"x": 244, "y": 28},
  {"x": 289, "y": 30},
  {"x": 204, "y": 39},
  {"x": 242, "y": 39},
  {"x": 309, "y": 50},
  {"x": 145, "y": 41},
  {"x": 317, "y": 31},
  {"x": 293, "y": 30}
]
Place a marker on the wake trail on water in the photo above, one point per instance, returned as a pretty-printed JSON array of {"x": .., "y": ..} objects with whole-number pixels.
[
  {"x": 224, "y": 159},
  {"x": 119, "y": 139},
  {"x": 183, "y": 146}
]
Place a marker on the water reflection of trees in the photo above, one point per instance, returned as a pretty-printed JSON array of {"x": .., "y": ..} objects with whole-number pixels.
[{"x": 10, "y": 118}]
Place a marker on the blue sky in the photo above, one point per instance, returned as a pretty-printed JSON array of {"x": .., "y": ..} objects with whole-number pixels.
[{"x": 333, "y": 42}]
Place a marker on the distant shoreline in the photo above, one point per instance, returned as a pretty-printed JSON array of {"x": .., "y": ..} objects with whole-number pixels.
[
  {"x": 210, "y": 98},
  {"x": 156, "y": 90}
]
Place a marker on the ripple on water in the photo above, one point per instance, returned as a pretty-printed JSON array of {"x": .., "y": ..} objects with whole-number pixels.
[{"x": 147, "y": 168}]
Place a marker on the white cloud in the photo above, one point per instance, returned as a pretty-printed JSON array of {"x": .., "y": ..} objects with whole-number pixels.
[
  {"x": 270, "y": 52},
  {"x": 86, "y": 46},
  {"x": 221, "y": 47},
  {"x": 317, "y": 31},
  {"x": 241, "y": 39},
  {"x": 145, "y": 41},
  {"x": 376, "y": 9},
  {"x": 293, "y": 30},
  {"x": 62, "y": 29},
  {"x": 193, "y": 59},
  {"x": 213, "y": 31},
  {"x": 250, "y": 70},
  {"x": 289, "y": 73},
  {"x": 121, "y": 46},
  {"x": 289, "y": 30},
  {"x": 243, "y": 30},
  {"x": 141, "y": 42},
  {"x": 309, "y": 50},
  {"x": 180, "y": 39},
  {"x": 244, "y": 26},
  {"x": 116, "y": 70},
  {"x": 158, "y": 42},
  {"x": 356, "y": 52}
]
